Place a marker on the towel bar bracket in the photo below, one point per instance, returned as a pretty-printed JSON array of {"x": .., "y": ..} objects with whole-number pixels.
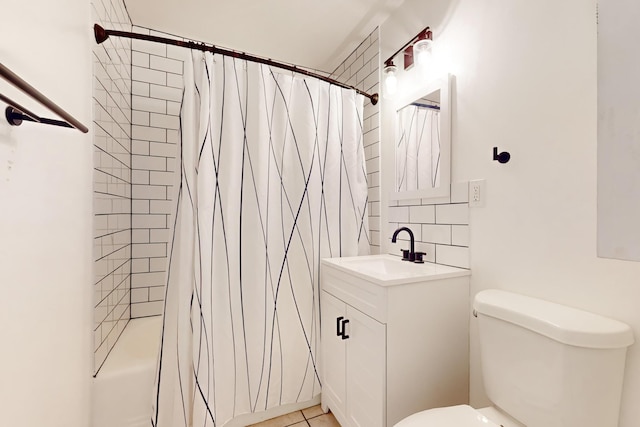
[
  {"x": 12, "y": 116},
  {"x": 15, "y": 117}
]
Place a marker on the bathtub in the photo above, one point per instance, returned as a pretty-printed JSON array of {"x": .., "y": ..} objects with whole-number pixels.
[{"x": 122, "y": 390}]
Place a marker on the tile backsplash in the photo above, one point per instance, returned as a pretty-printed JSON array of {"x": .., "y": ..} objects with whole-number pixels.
[{"x": 440, "y": 226}]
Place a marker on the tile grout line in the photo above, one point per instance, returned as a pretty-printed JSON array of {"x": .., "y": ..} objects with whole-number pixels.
[{"x": 306, "y": 420}]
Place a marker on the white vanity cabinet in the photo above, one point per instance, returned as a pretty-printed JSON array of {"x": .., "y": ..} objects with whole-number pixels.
[
  {"x": 395, "y": 338},
  {"x": 355, "y": 376}
]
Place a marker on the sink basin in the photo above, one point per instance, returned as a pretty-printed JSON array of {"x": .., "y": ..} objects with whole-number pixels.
[
  {"x": 383, "y": 266},
  {"x": 391, "y": 270}
]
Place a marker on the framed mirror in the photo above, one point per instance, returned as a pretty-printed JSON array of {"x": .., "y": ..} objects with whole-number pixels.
[{"x": 422, "y": 142}]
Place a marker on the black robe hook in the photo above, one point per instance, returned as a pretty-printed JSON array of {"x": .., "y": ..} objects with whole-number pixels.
[{"x": 503, "y": 157}]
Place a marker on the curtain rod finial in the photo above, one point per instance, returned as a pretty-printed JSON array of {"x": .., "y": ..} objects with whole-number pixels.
[
  {"x": 100, "y": 33},
  {"x": 375, "y": 98}
]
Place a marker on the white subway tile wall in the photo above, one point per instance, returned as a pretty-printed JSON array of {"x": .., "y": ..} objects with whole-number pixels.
[
  {"x": 460, "y": 235},
  {"x": 157, "y": 92},
  {"x": 111, "y": 179},
  {"x": 361, "y": 70},
  {"x": 418, "y": 214},
  {"x": 440, "y": 226},
  {"x": 452, "y": 214}
]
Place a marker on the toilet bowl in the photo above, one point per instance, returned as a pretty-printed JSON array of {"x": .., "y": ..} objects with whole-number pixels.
[
  {"x": 535, "y": 356},
  {"x": 459, "y": 416}
]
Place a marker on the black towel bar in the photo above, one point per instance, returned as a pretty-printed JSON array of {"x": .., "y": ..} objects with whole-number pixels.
[{"x": 15, "y": 113}]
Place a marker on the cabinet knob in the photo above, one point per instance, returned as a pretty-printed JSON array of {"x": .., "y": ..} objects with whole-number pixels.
[{"x": 339, "y": 326}]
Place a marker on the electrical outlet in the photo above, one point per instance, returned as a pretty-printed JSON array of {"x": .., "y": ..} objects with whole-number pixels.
[{"x": 477, "y": 193}]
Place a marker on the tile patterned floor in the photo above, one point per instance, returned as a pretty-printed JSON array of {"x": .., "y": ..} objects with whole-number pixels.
[{"x": 310, "y": 417}]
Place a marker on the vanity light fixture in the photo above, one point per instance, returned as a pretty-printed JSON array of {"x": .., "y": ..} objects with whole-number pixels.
[
  {"x": 417, "y": 50},
  {"x": 422, "y": 51},
  {"x": 390, "y": 79}
]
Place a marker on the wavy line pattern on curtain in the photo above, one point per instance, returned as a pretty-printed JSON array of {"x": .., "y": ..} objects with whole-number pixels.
[{"x": 272, "y": 180}]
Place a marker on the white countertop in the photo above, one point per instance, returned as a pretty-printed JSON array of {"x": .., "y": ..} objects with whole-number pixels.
[{"x": 389, "y": 270}]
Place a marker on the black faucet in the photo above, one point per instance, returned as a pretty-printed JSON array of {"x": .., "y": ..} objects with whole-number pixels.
[{"x": 411, "y": 254}]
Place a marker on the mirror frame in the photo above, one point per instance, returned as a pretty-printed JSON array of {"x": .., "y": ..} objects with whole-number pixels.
[{"x": 443, "y": 84}]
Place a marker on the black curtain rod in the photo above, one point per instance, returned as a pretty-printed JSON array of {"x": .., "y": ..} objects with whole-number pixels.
[{"x": 102, "y": 34}]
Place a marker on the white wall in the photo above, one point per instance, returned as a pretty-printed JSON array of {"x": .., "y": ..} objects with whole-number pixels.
[
  {"x": 526, "y": 82},
  {"x": 618, "y": 130},
  {"x": 45, "y": 221}
]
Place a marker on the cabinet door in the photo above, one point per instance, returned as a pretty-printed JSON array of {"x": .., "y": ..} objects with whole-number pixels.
[
  {"x": 366, "y": 370},
  {"x": 333, "y": 356}
]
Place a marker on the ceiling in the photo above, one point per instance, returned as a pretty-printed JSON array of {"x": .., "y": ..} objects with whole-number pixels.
[{"x": 317, "y": 34}]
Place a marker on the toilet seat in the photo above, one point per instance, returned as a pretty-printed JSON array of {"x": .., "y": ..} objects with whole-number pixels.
[{"x": 451, "y": 416}]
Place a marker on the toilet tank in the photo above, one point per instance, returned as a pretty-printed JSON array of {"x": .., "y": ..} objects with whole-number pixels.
[{"x": 548, "y": 365}]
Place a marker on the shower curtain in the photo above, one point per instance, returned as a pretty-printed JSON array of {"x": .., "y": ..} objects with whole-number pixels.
[
  {"x": 417, "y": 148},
  {"x": 272, "y": 180}
]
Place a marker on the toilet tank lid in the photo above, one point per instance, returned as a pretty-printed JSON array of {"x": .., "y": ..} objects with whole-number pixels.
[{"x": 561, "y": 323}]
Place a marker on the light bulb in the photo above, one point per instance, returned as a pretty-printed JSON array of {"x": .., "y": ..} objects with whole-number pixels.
[
  {"x": 422, "y": 52},
  {"x": 390, "y": 80}
]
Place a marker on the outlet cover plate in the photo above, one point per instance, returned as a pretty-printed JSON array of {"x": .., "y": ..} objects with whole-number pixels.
[{"x": 477, "y": 193}]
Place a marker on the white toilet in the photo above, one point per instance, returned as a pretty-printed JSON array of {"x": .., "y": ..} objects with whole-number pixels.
[{"x": 543, "y": 365}]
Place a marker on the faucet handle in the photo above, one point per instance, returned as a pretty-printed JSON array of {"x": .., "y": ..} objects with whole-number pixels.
[
  {"x": 418, "y": 257},
  {"x": 405, "y": 254}
]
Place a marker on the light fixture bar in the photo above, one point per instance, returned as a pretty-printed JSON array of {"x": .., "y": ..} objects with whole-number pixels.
[{"x": 424, "y": 34}]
